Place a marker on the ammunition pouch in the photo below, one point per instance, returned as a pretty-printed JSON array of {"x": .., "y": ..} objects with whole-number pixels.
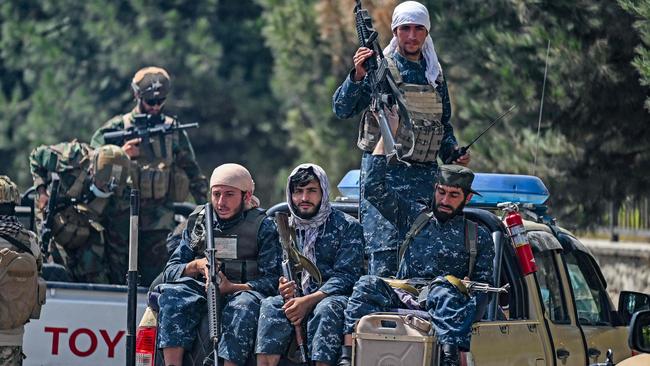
[
  {"x": 72, "y": 226},
  {"x": 369, "y": 132},
  {"x": 180, "y": 186},
  {"x": 240, "y": 271}
]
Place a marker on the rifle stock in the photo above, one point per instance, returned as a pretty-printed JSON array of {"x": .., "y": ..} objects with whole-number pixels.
[
  {"x": 284, "y": 231},
  {"x": 213, "y": 294}
]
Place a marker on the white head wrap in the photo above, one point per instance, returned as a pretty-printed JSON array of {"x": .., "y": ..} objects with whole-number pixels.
[
  {"x": 412, "y": 12},
  {"x": 311, "y": 227}
]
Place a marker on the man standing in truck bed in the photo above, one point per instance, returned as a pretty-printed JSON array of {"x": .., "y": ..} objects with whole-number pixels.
[
  {"x": 414, "y": 65},
  {"x": 165, "y": 170}
]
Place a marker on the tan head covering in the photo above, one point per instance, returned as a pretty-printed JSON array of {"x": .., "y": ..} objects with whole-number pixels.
[
  {"x": 235, "y": 175},
  {"x": 151, "y": 82}
]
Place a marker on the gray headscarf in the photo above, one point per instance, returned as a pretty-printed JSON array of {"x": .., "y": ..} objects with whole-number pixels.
[{"x": 310, "y": 227}]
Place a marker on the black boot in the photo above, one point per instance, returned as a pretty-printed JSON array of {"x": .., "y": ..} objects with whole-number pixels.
[
  {"x": 449, "y": 355},
  {"x": 346, "y": 356}
]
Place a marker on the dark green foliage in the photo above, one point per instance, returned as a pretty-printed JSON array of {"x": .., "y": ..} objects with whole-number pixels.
[{"x": 259, "y": 76}]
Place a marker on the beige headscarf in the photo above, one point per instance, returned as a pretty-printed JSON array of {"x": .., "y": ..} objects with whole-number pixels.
[{"x": 235, "y": 175}]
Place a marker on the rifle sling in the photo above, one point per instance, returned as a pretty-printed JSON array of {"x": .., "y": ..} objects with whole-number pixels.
[
  {"x": 471, "y": 238},
  {"x": 16, "y": 243}
]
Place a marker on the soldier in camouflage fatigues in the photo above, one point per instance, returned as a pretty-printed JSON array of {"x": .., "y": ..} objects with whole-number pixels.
[
  {"x": 411, "y": 68},
  {"x": 92, "y": 193},
  {"x": 334, "y": 242},
  {"x": 436, "y": 251},
  {"x": 250, "y": 275},
  {"x": 165, "y": 170},
  {"x": 20, "y": 263}
]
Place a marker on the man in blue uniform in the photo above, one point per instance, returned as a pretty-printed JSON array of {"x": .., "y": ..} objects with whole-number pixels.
[
  {"x": 414, "y": 65},
  {"x": 250, "y": 256},
  {"x": 436, "y": 251},
  {"x": 333, "y": 241}
]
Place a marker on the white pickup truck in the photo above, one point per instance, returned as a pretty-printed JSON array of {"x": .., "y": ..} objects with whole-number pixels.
[{"x": 552, "y": 320}]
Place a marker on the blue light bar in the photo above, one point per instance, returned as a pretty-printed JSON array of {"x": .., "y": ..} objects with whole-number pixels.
[
  {"x": 349, "y": 185},
  {"x": 497, "y": 188}
]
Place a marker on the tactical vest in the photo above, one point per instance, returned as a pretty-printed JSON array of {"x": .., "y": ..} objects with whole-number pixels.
[
  {"x": 421, "y": 142},
  {"x": 237, "y": 248},
  {"x": 156, "y": 175},
  {"x": 23, "y": 292}
]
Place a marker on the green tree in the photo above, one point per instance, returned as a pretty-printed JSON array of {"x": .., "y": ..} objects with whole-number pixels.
[{"x": 66, "y": 68}]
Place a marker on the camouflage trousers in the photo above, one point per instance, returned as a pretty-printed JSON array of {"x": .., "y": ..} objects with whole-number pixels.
[
  {"x": 414, "y": 182},
  {"x": 11, "y": 356},
  {"x": 324, "y": 329},
  {"x": 452, "y": 312},
  {"x": 183, "y": 305}
]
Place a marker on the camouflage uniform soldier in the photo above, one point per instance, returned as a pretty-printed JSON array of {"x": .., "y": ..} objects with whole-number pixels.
[
  {"x": 334, "y": 242},
  {"x": 436, "y": 252},
  {"x": 91, "y": 194},
  {"x": 165, "y": 171},
  {"x": 250, "y": 268},
  {"x": 21, "y": 292},
  {"x": 414, "y": 65}
]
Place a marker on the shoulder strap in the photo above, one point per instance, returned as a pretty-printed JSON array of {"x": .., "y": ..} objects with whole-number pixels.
[
  {"x": 420, "y": 221},
  {"x": 16, "y": 243},
  {"x": 471, "y": 238}
]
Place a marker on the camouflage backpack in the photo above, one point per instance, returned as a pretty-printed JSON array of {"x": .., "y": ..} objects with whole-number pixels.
[{"x": 23, "y": 292}]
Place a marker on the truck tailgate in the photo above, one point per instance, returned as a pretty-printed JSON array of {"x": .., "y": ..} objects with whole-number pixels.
[{"x": 81, "y": 324}]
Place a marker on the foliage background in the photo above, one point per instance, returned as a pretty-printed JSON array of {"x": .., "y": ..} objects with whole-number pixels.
[{"x": 259, "y": 76}]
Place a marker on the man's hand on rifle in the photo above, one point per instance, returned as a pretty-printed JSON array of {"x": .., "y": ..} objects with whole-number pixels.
[
  {"x": 131, "y": 148},
  {"x": 43, "y": 198},
  {"x": 392, "y": 115},
  {"x": 297, "y": 308},
  {"x": 286, "y": 288},
  {"x": 463, "y": 160},
  {"x": 360, "y": 57}
]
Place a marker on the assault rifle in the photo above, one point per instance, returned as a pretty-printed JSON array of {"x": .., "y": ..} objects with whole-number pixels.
[
  {"x": 213, "y": 293},
  {"x": 48, "y": 221},
  {"x": 282, "y": 221},
  {"x": 144, "y": 127},
  {"x": 383, "y": 89}
]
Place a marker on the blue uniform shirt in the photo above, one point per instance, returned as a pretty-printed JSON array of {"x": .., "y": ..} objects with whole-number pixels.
[{"x": 413, "y": 182}]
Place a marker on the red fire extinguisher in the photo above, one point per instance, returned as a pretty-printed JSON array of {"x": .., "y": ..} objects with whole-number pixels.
[{"x": 519, "y": 239}]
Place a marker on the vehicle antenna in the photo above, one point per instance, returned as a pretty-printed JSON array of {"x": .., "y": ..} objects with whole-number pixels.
[{"x": 541, "y": 106}]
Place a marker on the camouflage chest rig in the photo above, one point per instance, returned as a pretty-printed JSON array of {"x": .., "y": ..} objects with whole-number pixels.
[
  {"x": 421, "y": 140},
  {"x": 73, "y": 224},
  {"x": 237, "y": 247},
  {"x": 155, "y": 174}
]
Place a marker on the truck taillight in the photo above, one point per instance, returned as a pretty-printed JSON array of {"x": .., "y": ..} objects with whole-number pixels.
[
  {"x": 145, "y": 346},
  {"x": 466, "y": 359}
]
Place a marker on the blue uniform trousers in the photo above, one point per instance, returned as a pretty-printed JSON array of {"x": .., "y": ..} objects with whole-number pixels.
[
  {"x": 182, "y": 305},
  {"x": 452, "y": 312},
  {"x": 324, "y": 328}
]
